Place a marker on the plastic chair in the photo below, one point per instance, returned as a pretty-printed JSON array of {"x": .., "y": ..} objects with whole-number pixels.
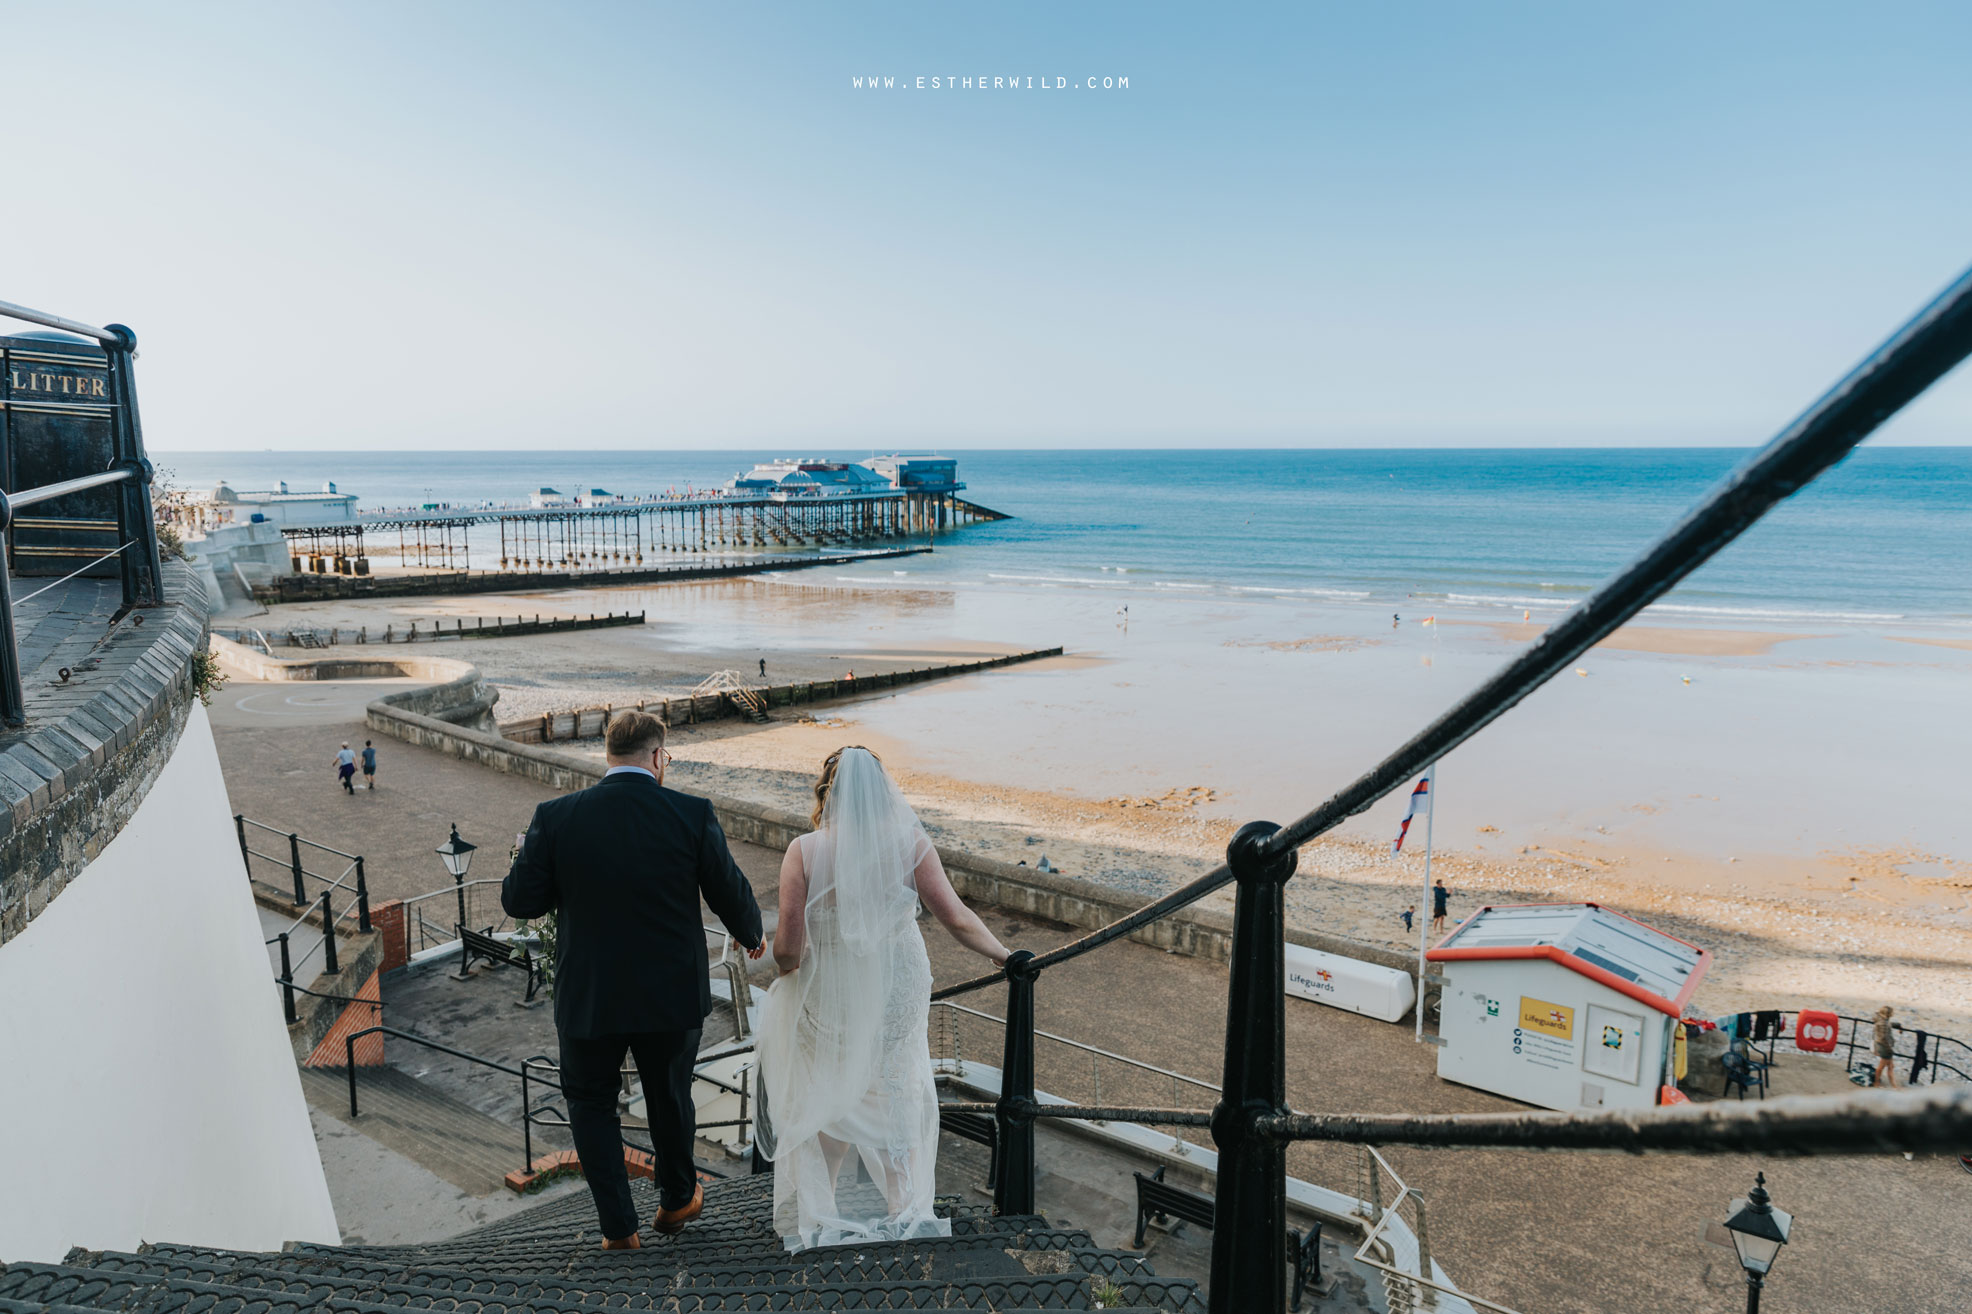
[{"x": 1742, "y": 1072}]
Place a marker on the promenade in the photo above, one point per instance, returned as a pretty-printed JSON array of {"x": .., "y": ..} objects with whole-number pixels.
[{"x": 1539, "y": 1232}]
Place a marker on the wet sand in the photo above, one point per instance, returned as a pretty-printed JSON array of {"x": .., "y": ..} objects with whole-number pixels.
[{"x": 1667, "y": 640}]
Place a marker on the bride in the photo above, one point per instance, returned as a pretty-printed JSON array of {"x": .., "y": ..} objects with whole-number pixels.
[{"x": 851, "y": 1116}]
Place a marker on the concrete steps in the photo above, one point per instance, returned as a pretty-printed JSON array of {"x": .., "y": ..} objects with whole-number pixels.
[
  {"x": 547, "y": 1260},
  {"x": 451, "y": 1138}
]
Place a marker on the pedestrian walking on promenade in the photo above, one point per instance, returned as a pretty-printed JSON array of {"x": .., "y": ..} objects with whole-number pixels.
[
  {"x": 346, "y": 769},
  {"x": 369, "y": 765},
  {"x": 1885, "y": 1047}
]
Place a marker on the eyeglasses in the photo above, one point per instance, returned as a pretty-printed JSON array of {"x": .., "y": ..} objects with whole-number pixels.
[{"x": 663, "y": 753}]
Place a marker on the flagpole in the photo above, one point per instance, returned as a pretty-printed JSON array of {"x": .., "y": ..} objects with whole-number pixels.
[{"x": 1424, "y": 905}]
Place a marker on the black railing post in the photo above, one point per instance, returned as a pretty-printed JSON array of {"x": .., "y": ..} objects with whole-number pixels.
[
  {"x": 246, "y": 854},
  {"x": 349, "y": 1054},
  {"x": 1013, "y": 1193},
  {"x": 136, "y": 518},
  {"x": 362, "y": 900},
  {"x": 294, "y": 866},
  {"x": 13, "y": 698},
  {"x": 1249, "y": 1228},
  {"x": 287, "y": 982},
  {"x": 526, "y": 1120},
  {"x": 329, "y": 963}
]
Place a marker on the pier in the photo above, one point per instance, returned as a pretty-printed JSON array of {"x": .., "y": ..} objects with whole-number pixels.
[
  {"x": 322, "y": 587},
  {"x": 624, "y": 533}
]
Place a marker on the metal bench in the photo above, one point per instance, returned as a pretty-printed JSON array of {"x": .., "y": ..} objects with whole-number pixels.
[
  {"x": 980, "y": 1129},
  {"x": 501, "y": 953},
  {"x": 1156, "y": 1198}
]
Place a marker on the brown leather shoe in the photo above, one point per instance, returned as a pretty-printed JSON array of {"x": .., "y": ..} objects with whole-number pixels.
[
  {"x": 624, "y": 1243},
  {"x": 672, "y": 1221}
]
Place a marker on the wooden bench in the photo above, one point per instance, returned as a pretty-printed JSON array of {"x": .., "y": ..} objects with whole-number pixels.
[
  {"x": 501, "y": 953},
  {"x": 980, "y": 1129},
  {"x": 1156, "y": 1198}
]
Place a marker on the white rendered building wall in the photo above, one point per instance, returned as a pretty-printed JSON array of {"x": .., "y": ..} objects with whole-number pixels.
[{"x": 147, "y": 1088}]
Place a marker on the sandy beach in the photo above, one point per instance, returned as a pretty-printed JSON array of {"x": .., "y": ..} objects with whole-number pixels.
[{"x": 1668, "y": 779}]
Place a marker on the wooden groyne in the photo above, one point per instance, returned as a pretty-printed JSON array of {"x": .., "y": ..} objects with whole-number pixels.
[
  {"x": 690, "y": 709},
  {"x": 327, "y": 587},
  {"x": 411, "y": 632}
]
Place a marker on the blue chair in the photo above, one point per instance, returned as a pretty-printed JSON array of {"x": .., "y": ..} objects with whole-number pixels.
[{"x": 1742, "y": 1071}]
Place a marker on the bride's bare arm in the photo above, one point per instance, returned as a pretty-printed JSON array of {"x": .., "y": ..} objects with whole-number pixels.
[
  {"x": 791, "y": 930},
  {"x": 936, "y": 892}
]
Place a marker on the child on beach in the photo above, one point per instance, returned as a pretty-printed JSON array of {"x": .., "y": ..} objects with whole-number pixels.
[
  {"x": 1409, "y": 913},
  {"x": 346, "y": 769}
]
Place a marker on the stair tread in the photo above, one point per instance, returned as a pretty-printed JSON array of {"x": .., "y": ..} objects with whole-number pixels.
[
  {"x": 449, "y": 1137},
  {"x": 545, "y": 1260}
]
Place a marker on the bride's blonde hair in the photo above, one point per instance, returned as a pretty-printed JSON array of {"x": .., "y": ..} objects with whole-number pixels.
[{"x": 827, "y": 781}]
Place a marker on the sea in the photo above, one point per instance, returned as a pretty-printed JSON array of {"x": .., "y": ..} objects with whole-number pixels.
[{"x": 1883, "y": 539}]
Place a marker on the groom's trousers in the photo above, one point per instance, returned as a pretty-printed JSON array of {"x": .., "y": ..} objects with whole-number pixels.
[{"x": 590, "y": 1079}]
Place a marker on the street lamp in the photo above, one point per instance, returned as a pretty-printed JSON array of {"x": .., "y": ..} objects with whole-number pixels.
[
  {"x": 457, "y": 855},
  {"x": 1758, "y": 1232}
]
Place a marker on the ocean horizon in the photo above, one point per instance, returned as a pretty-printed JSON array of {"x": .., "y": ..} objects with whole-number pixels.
[{"x": 1881, "y": 539}]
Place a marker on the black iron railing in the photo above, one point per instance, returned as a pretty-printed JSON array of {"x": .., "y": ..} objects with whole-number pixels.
[
  {"x": 321, "y": 904},
  {"x": 531, "y": 1072},
  {"x": 1252, "y": 1125},
  {"x": 136, "y": 551}
]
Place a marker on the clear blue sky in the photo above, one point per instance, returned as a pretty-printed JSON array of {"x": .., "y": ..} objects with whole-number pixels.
[{"x": 640, "y": 225}]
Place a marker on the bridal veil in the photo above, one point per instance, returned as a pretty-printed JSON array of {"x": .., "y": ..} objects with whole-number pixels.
[{"x": 851, "y": 1114}]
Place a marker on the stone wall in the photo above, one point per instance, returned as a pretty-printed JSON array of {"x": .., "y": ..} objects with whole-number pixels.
[
  {"x": 91, "y": 749},
  {"x": 413, "y": 716}
]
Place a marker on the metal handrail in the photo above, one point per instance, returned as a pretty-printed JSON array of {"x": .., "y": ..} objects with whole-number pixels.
[
  {"x": 1251, "y": 1126},
  {"x": 1125, "y": 1059},
  {"x": 82, "y": 483},
  {"x": 1883, "y": 1121},
  {"x": 1934, "y": 340},
  {"x": 106, "y": 336},
  {"x": 1923, "y": 350},
  {"x": 313, "y": 844}
]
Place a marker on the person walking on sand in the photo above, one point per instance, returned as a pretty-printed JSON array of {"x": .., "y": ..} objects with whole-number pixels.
[
  {"x": 346, "y": 769},
  {"x": 1440, "y": 902},
  {"x": 369, "y": 765},
  {"x": 763, "y": 668},
  {"x": 1409, "y": 913},
  {"x": 624, "y": 864},
  {"x": 1885, "y": 1048},
  {"x": 850, "y": 1117}
]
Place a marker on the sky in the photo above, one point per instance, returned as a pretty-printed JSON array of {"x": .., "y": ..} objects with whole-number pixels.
[{"x": 597, "y": 225}]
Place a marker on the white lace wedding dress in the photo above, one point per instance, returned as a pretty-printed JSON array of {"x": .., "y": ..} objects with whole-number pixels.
[{"x": 851, "y": 1117}]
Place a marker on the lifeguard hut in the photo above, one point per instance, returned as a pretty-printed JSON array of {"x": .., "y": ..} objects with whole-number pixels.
[{"x": 1565, "y": 1005}]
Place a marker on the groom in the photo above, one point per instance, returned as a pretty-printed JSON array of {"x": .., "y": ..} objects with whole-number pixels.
[{"x": 624, "y": 863}]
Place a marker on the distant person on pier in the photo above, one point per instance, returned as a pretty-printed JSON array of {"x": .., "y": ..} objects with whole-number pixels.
[
  {"x": 369, "y": 765},
  {"x": 346, "y": 769},
  {"x": 1440, "y": 902}
]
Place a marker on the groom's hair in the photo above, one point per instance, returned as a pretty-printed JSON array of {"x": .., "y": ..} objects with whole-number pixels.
[{"x": 633, "y": 734}]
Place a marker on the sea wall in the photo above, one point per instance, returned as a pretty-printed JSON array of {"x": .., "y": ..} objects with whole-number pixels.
[{"x": 415, "y": 717}]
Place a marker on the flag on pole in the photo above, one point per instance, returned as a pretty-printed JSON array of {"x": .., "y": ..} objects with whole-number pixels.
[{"x": 1420, "y": 802}]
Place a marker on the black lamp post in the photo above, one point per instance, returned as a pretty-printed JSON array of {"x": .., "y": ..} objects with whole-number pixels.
[
  {"x": 1758, "y": 1232},
  {"x": 457, "y": 855}
]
